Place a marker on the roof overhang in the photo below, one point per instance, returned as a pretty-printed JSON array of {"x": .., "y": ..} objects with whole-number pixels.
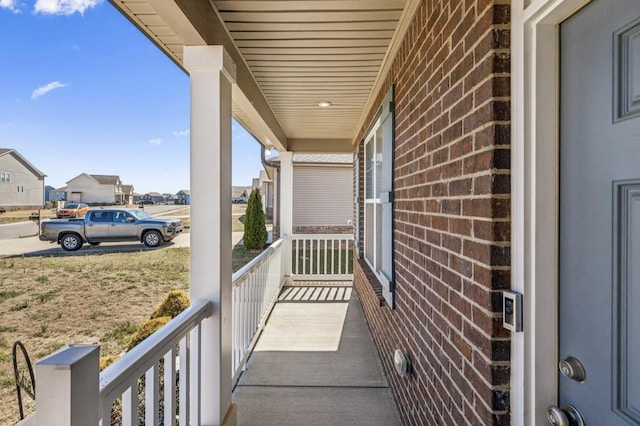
[{"x": 290, "y": 56}]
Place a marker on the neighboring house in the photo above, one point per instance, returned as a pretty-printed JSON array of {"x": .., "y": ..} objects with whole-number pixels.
[
  {"x": 47, "y": 192},
  {"x": 183, "y": 197},
  {"x": 127, "y": 194},
  {"x": 95, "y": 189},
  {"x": 58, "y": 194},
  {"x": 21, "y": 183},
  {"x": 136, "y": 198},
  {"x": 169, "y": 198},
  {"x": 240, "y": 194},
  {"x": 154, "y": 197}
]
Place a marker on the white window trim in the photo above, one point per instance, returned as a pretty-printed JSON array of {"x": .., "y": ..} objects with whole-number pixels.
[
  {"x": 370, "y": 137},
  {"x": 383, "y": 196}
]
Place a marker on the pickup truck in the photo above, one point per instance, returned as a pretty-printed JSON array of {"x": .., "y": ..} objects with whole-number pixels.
[{"x": 102, "y": 225}]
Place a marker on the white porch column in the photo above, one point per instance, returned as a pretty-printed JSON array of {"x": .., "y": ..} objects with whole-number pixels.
[
  {"x": 286, "y": 204},
  {"x": 212, "y": 73}
]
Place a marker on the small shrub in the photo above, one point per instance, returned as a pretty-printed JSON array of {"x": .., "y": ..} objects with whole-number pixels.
[
  {"x": 255, "y": 230},
  {"x": 42, "y": 279},
  {"x": 106, "y": 361},
  {"x": 146, "y": 330},
  {"x": 174, "y": 303}
]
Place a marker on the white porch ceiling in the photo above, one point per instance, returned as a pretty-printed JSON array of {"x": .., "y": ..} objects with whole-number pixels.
[{"x": 291, "y": 55}]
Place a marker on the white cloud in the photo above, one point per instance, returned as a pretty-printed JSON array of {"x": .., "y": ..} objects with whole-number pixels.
[
  {"x": 41, "y": 91},
  {"x": 9, "y": 4},
  {"x": 75, "y": 47},
  {"x": 155, "y": 141},
  {"x": 181, "y": 133},
  {"x": 63, "y": 7}
]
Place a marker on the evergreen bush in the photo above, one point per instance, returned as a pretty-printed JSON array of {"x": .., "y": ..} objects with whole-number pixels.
[
  {"x": 174, "y": 302},
  {"x": 255, "y": 230},
  {"x": 146, "y": 330}
]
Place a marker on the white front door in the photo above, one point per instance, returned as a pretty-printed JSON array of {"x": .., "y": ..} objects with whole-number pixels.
[{"x": 599, "y": 292}]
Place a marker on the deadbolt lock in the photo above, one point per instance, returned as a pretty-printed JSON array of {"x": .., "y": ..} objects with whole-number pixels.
[{"x": 572, "y": 368}]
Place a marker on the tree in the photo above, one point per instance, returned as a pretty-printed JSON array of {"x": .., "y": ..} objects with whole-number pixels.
[{"x": 255, "y": 231}]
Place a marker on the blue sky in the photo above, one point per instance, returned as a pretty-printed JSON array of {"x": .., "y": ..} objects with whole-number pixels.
[{"x": 83, "y": 91}]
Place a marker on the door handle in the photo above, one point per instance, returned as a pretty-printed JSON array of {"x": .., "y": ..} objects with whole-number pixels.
[{"x": 565, "y": 416}]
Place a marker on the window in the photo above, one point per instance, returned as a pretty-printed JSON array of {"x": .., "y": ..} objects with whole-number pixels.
[
  {"x": 5, "y": 177},
  {"x": 20, "y": 188},
  {"x": 378, "y": 190}
]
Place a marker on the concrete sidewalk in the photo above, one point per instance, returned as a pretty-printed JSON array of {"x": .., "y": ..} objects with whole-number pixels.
[{"x": 325, "y": 371}]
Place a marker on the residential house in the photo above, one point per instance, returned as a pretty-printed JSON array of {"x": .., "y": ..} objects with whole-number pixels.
[
  {"x": 169, "y": 198},
  {"x": 240, "y": 194},
  {"x": 47, "y": 192},
  {"x": 127, "y": 194},
  {"x": 95, "y": 189},
  {"x": 21, "y": 183},
  {"x": 494, "y": 167},
  {"x": 183, "y": 197},
  {"x": 58, "y": 194},
  {"x": 154, "y": 197}
]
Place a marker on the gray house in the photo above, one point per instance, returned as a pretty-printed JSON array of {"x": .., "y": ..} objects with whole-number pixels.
[
  {"x": 183, "y": 197},
  {"x": 21, "y": 183}
]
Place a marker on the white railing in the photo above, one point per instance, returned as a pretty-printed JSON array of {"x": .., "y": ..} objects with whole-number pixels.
[
  {"x": 156, "y": 382},
  {"x": 255, "y": 290},
  {"x": 169, "y": 356},
  {"x": 322, "y": 257}
]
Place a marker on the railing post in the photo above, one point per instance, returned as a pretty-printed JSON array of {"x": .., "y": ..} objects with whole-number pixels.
[
  {"x": 68, "y": 388},
  {"x": 286, "y": 207}
]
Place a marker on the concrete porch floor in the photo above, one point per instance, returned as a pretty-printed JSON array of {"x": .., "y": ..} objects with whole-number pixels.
[{"x": 315, "y": 364}]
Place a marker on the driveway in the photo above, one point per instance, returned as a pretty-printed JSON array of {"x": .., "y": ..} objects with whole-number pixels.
[{"x": 32, "y": 246}]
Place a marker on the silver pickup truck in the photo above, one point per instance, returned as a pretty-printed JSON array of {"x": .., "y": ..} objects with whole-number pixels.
[{"x": 103, "y": 225}]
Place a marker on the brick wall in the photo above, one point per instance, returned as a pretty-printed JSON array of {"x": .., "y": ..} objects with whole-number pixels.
[{"x": 452, "y": 217}]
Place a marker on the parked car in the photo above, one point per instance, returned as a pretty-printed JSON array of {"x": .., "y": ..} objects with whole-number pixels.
[
  {"x": 101, "y": 225},
  {"x": 143, "y": 202},
  {"x": 72, "y": 210}
]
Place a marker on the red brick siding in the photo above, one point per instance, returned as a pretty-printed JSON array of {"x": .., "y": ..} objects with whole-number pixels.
[{"x": 452, "y": 216}]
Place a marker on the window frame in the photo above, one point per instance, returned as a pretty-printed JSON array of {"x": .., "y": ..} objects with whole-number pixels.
[{"x": 379, "y": 157}]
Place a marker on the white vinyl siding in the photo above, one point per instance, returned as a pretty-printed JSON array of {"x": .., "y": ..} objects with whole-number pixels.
[
  {"x": 322, "y": 195},
  {"x": 85, "y": 189},
  {"x": 19, "y": 185}
]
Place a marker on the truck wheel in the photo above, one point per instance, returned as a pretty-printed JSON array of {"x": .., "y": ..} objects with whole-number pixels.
[
  {"x": 152, "y": 239},
  {"x": 71, "y": 242}
]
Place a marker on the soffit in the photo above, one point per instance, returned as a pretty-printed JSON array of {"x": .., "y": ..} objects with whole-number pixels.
[{"x": 291, "y": 55}]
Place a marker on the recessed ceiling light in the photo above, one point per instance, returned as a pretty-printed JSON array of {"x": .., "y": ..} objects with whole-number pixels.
[{"x": 324, "y": 104}]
